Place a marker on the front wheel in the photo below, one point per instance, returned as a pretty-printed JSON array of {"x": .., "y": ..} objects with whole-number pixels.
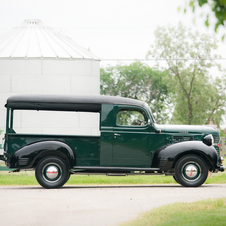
[
  {"x": 52, "y": 172},
  {"x": 191, "y": 171}
]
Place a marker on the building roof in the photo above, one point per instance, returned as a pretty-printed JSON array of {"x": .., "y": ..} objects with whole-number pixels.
[
  {"x": 67, "y": 102},
  {"x": 33, "y": 39}
]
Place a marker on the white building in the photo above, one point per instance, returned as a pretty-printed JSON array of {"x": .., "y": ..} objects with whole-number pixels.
[{"x": 34, "y": 58}]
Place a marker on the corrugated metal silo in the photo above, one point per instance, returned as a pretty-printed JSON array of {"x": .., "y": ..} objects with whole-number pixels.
[{"x": 34, "y": 58}]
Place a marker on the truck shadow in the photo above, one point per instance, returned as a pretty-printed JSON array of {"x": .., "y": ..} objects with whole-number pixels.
[
  {"x": 135, "y": 186},
  {"x": 111, "y": 186}
]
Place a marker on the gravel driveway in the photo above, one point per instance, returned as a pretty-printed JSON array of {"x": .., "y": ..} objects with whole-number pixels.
[{"x": 90, "y": 206}]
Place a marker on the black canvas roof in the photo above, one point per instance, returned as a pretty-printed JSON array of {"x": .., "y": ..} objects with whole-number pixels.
[{"x": 66, "y": 102}]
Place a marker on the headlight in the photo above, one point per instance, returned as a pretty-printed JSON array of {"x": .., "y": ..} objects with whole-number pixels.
[{"x": 208, "y": 140}]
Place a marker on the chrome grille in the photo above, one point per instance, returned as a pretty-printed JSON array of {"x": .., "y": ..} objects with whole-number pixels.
[{"x": 216, "y": 139}]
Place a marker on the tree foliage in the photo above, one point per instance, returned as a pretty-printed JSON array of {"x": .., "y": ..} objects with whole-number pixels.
[
  {"x": 137, "y": 81},
  {"x": 218, "y": 7},
  {"x": 197, "y": 96}
]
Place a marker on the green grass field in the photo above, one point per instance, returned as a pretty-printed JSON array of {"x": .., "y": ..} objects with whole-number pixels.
[
  {"x": 207, "y": 212},
  {"x": 28, "y": 178}
]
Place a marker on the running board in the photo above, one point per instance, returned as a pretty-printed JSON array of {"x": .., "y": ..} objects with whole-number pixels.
[
  {"x": 114, "y": 169},
  {"x": 114, "y": 174}
]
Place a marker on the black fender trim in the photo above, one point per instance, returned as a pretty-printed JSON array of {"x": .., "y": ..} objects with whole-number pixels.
[
  {"x": 166, "y": 156},
  {"x": 28, "y": 156}
]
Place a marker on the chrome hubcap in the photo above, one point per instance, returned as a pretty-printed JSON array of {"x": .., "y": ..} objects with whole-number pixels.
[
  {"x": 52, "y": 172},
  {"x": 191, "y": 171}
]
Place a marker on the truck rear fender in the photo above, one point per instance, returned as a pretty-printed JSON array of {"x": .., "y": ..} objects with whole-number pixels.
[
  {"x": 166, "y": 157},
  {"x": 29, "y": 155}
]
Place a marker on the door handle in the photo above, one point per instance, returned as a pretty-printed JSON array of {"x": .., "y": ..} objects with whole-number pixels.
[{"x": 116, "y": 134}]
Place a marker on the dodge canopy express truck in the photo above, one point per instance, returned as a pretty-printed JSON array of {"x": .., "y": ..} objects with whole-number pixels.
[{"x": 130, "y": 143}]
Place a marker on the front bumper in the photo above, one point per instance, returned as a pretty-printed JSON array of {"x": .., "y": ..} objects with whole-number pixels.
[{"x": 221, "y": 168}]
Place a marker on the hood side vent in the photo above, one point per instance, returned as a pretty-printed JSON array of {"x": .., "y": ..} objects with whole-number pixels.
[{"x": 177, "y": 139}]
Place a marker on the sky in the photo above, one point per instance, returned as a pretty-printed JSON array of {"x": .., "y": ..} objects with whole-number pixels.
[{"x": 119, "y": 29}]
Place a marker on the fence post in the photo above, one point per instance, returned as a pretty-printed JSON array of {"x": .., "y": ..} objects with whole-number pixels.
[{"x": 222, "y": 146}]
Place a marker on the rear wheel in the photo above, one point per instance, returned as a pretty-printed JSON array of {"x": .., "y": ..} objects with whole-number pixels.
[
  {"x": 191, "y": 171},
  {"x": 52, "y": 172}
]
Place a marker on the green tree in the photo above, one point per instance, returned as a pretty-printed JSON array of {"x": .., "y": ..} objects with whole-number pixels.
[
  {"x": 137, "y": 81},
  {"x": 218, "y": 7},
  {"x": 197, "y": 96}
]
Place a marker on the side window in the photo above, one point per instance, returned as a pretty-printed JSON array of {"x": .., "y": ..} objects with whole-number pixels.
[{"x": 131, "y": 117}]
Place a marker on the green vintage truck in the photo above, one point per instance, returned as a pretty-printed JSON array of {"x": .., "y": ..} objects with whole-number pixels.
[{"x": 130, "y": 143}]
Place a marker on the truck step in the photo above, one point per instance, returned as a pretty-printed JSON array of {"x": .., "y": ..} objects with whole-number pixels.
[{"x": 114, "y": 169}]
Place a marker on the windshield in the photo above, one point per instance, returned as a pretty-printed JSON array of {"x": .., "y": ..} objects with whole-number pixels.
[{"x": 150, "y": 112}]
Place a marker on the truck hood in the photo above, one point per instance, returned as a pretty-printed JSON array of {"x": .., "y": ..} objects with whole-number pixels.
[{"x": 185, "y": 129}]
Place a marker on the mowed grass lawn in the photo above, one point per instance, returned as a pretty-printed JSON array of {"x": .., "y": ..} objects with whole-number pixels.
[
  {"x": 28, "y": 178},
  {"x": 208, "y": 212}
]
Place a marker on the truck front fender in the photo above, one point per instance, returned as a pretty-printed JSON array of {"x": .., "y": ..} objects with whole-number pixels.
[
  {"x": 166, "y": 157},
  {"x": 27, "y": 156}
]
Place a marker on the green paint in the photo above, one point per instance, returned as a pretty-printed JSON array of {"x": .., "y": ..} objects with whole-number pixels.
[{"x": 122, "y": 145}]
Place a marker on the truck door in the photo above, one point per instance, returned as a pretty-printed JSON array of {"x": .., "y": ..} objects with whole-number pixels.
[{"x": 132, "y": 138}]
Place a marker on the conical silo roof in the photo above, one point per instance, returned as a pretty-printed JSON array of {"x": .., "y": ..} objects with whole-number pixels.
[{"x": 33, "y": 39}]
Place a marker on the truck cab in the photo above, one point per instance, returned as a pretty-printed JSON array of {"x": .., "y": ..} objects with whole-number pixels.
[{"x": 130, "y": 142}]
